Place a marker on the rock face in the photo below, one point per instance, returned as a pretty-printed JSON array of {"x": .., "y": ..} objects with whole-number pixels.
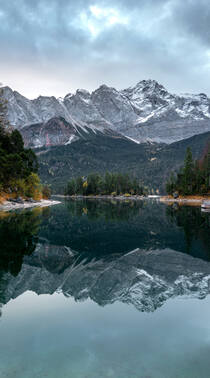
[
  {"x": 58, "y": 132},
  {"x": 144, "y": 112},
  {"x": 144, "y": 279}
]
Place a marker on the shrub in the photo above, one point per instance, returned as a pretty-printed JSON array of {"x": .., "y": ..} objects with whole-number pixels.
[{"x": 113, "y": 194}]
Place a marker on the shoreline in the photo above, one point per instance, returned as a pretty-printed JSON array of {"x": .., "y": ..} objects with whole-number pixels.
[
  {"x": 8, "y": 206},
  {"x": 100, "y": 197},
  {"x": 188, "y": 200}
]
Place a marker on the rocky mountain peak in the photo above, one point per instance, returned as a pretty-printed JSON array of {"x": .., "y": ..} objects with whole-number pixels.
[
  {"x": 83, "y": 93},
  {"x": 146, "y": 111},
  {"x": 104, "y": 87},
  {"x": 7, "y": 90},
  {"x": 146, "y": 88}
]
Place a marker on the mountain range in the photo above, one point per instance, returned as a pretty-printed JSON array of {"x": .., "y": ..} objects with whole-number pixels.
[
  {"x": 140, "y": 253},
  {"x": 144, "y": 112},
  {"x": 143, "y": 130}
]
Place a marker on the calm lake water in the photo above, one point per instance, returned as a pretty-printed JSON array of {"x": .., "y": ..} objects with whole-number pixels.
[{"x": 93, "y": 289}]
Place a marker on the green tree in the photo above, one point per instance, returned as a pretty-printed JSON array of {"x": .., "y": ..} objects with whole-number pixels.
[
  {"x": 71, "y": 188},
  {"x": 193, "y": 177},
  {"x": 110, "y": 183},
  {"x": 17, "y": 164},
  {"x": 188, "y": 172},
  {"x": 33, "y": 186},
  {"x": 79, "y": 185},
  {"x": 206, "y": 170}
]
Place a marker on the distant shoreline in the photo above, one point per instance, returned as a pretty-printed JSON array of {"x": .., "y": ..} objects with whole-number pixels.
[
  {"x": 189, "y": 200},
  {"x": 120, "y": 197}
]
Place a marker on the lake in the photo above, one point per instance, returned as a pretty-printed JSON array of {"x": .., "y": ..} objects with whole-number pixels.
[{"x": 105, "y": 288}]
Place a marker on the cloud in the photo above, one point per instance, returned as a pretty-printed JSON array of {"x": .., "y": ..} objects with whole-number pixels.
[{"x": 53, "y": 47}]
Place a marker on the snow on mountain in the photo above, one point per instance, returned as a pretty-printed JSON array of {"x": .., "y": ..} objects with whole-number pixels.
[
  {"x": 146, "y": 111},
  {"x": 141, "y": 278},
  {"x": 164, "y": 117},
  {"x": 81, "y": 107}
]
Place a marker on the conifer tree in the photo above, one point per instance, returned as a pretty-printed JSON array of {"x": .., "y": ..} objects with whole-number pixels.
[
  {"x": 193, "y": 177},
  {"x": 188, "y": 172}
]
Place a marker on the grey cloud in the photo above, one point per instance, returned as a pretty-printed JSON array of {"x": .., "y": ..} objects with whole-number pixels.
[
  {"x": 194, "y": 18},
  {"x": 167, "y": 40}
]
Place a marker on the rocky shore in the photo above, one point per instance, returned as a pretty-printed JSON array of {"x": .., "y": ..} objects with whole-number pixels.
[
  {"x": 188, "y": 200},
  {"x": 12, "y": 205}
]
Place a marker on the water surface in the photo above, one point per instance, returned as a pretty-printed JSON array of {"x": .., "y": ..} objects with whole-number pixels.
[{"x": 105, "y": 289}]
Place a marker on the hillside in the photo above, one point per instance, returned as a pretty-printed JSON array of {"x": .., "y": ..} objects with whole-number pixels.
[{"x": 152, "y": 163}]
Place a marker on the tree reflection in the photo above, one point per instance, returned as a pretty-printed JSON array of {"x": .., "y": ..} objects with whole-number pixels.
[
  {"x": 113, "y": 210},
  {"x": 18, "y": 237},
  {"x": 195, "y": 224}
]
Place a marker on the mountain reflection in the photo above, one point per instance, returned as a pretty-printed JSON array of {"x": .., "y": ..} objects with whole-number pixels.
[
  {"x": 106, "y": 251},
  {"x": 145, "y": 279}
]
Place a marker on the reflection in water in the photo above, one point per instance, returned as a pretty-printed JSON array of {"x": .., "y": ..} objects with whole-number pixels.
[
  {"x": 18, "y": 237},
  {"x": 196, "y": 226},
  {"x": 106, "y": 272},
  {"x": 107, "y": 251},
  {"x": 110, "y": 210},
  {"x": 145, "y": 279},
  {"x": 99, "y": 228}
]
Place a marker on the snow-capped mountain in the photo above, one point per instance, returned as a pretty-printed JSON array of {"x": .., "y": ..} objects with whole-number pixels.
[
  {"x": 163, "y": 117},
  {"x": 146, "y": 111}
]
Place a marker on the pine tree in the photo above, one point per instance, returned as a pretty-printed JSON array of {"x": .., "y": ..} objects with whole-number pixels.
[
  {"x": 110, "y": 183},
  {"x": 194, "y": 177},
  {"x": 188, "y": 172},
  {"x": 206, "y": 170}
]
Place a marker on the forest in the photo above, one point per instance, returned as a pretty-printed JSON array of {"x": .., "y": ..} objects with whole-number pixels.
[
  {"x": 108, "y": 184},
  {"x": 193, "y": 177},
  {"x": 18, "y": 165}
]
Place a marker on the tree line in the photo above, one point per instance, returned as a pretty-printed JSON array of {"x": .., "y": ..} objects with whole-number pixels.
[
  {"x": 193, "y": 177},
  {"x": 108, "y": 184},
  {"x": 18, "y": 165}
]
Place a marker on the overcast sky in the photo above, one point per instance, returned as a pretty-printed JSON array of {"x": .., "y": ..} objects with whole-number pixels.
[{"x": 53, "y": 47}]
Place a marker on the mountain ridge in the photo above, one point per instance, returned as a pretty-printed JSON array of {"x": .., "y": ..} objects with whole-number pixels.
[{"x": 143, "y": 112}]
